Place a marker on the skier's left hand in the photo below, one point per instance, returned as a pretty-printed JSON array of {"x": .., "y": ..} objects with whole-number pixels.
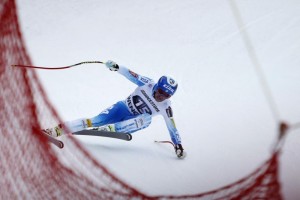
[{"x": 179, "y": 151}]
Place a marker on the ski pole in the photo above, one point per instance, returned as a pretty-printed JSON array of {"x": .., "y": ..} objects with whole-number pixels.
[
  {"x": 166, "y": 142},
  {"x": 56, "y": 68}
]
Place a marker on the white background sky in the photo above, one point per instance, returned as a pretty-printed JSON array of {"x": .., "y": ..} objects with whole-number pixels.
[{"x": 226, "y": 125}]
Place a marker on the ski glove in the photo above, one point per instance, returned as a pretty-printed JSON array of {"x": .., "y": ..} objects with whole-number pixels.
[
  {"x": 112, "y": 65},
  {"x": 179, "y": 151}
]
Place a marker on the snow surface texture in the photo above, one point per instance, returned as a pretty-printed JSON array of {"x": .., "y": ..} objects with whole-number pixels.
[{"x": 226, "y": 124}]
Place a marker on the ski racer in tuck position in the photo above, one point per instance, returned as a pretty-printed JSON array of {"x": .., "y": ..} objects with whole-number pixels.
[{"x": 148, "y": 99}]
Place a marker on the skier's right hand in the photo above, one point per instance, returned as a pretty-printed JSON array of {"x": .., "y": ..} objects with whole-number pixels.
[
  {"x": 112, "y": 65},
  {"x": 179, "y": 151}
]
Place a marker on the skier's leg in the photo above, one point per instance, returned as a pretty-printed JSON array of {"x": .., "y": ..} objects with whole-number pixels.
[
  {"x": 113, "y": 114},
  {"x": 116, "y": 118},
  {"x": 130, "y": 125},
  {"x": 134, "y": 124}
]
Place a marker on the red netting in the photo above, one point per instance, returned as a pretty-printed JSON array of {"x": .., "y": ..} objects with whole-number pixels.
[
  {"x": 31, "y": 168},
  {"x": 261, "y": 184}
]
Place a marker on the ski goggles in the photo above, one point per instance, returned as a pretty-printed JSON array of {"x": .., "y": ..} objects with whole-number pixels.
[{"x": 163, "y": 93}]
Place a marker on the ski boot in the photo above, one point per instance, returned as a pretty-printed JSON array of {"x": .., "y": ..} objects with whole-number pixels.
[
  {"x": 107, "y": 128},
  {"x": 55, "y": 131}
]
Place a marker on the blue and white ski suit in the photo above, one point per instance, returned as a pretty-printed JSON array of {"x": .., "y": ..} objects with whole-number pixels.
[{"x": 141, "y": 101}]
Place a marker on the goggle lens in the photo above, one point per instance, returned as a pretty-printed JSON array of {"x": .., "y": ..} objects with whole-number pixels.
[{"x": 163, "y": 93}]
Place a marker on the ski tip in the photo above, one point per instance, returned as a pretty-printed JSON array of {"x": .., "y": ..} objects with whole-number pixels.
[
  {"x": 61, "y": 144},
  {"x": 129, "y": 137}
]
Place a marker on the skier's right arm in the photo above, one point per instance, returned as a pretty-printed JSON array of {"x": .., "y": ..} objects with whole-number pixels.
[{"x": 130, "y": 75}]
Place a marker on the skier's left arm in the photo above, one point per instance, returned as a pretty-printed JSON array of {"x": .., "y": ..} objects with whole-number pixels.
[{"x": 174, "y": 134}]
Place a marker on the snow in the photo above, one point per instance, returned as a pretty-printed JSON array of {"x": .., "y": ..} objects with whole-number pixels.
[{"x": 225, "y": 121}]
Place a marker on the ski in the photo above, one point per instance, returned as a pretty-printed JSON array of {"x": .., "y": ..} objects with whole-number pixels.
[
  {"x": 54, "y": 141},
  {"x": 94, "y": 132}
]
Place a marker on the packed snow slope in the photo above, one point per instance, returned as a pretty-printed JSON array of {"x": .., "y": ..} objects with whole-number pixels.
[{"x": 224, "y": 119}]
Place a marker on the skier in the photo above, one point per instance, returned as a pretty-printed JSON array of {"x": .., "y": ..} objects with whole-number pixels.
[{"x": 148, "y": 99}]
